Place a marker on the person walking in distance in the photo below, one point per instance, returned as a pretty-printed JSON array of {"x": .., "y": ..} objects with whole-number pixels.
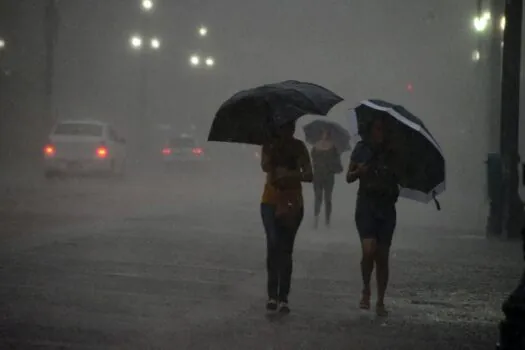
[
  {"x": 286, "y": 162},
  {"x": 375, "y": 214},
  {"x": 326, "y": 162}
]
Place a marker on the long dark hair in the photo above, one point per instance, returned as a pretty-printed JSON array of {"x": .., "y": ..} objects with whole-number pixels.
[
  {"x": 287, "y": 129},
  {"x": 328, "y": 132},
  {"x": 367, "y": 129},
  {"x": 280, "y": 151}
]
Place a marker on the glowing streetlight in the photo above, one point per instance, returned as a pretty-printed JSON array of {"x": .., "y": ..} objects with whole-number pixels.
[
  {"x": 210, "y": 62},
  {"x": 476, "y": 55},
  {"x": 135, "y": 42},
  {"x": 502, "y": 23},
  {"x": 147, "y": 5},
  {"x": 155, "y": 43},
  {"x": 481, "y": 23},
  {"x": 203, "y": 31},
  {"x": 2, "y": 43},
  {"x": 195, "y": 60}
]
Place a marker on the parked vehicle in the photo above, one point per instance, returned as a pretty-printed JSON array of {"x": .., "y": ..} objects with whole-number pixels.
[
  {"x": 86, "y": 147},
  {"x": 182, "y": 151}
]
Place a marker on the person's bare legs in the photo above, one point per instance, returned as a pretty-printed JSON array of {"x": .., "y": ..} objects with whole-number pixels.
[
  {"x": 318, "y": 199},
  {"x": 382, "y": 271},
  {"x": 367, "y": 266}
]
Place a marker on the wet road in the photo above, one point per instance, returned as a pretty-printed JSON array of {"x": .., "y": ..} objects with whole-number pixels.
[{"x": 176, "y": 261}]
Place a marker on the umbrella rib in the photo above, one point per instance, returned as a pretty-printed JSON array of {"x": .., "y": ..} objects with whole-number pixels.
[{"x": 312, "y": 104}]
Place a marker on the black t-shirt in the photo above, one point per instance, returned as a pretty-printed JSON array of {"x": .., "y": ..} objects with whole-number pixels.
[{"x": 379, "y": 181}]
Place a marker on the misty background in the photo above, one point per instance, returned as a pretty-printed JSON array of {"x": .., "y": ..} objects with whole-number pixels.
[{"x": 415, "y": 52}]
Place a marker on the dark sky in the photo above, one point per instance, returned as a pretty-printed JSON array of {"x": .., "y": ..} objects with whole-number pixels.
[
  {"x": 343, "y": 44},
  {"x": 359, "y": 48}
]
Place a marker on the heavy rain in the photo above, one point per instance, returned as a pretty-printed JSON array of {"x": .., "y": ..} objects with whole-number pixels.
[{"x": 140, "y": 194}]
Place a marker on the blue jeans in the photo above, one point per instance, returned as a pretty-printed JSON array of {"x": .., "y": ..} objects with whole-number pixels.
[{"x": 280, "y": 241}]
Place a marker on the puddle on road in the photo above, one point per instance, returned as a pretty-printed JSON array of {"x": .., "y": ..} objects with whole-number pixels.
[{"x": 437, "y": 303}]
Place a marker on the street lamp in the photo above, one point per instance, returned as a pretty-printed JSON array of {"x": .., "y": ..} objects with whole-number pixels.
[
  {"x": 136, "y": 42},
  {"x": 210, "y": 62},
  {"x": 203, "y": 31},
  {"x": 2, "y": 44},
  {"x": 476, "y": 55},
  {"x": 147, "y": 5},
  {"x": 155, "y": 43},
  {"x": 481, "y": 23},
  {"x": 502, "y": 23},
  {"x": 195, "y": 60}
]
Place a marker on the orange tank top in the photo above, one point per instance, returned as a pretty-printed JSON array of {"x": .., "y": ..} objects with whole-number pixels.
[{"x": 271, "y": 193}]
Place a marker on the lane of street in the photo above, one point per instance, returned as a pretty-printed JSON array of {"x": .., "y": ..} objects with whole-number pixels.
[{"x": 166, "y": 262}]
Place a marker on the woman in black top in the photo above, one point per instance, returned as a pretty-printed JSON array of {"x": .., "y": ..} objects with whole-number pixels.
[
  {"x": 375, "y": 214},
  {"x": 326, "y": 163}
]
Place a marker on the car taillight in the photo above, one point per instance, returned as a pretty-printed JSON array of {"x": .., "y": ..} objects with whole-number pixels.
[
  {"x": 49, "y": 150},
  {"x": 166, "y": 151},
  {"x": 197, "y": 151},
  {"x": 102, "y": 152}
]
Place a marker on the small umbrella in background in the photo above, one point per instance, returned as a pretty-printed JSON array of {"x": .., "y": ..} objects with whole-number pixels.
[
  {"x": 419, "y": 160},
  {"x": 313, "y": 132},
  {"x": 251, "y": 116}
]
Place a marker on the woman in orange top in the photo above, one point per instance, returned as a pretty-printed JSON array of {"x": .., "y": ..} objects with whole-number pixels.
[{"x": 286, "y": 162}]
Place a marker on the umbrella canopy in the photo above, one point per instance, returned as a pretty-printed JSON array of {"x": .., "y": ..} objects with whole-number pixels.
[
  {"x": 419, "y": 160},
  {"x": 313, "y": 132},
  {"x": 251, "y": 116}
]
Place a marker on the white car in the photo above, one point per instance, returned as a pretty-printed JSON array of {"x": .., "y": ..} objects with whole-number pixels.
[
  {"x": 84, "y": 147},
  {"x": 182, "y": 150}
]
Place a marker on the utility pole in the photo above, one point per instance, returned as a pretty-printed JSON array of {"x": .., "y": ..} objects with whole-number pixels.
[
  {"x": 51, "y": 26},
  {"x": 146, "y": 60},
  {"x": 497, "y": 10},
  {"x": 492, "y": 53},
  {"x": 510, "y": 107},
  {"x": 144, "y": 44},
  {"x": 512, "y": 329}
]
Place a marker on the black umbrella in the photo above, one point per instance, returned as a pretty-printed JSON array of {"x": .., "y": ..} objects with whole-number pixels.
[
  {"x": 420, "y": 161},
  {"x": 251, "y": 116},
  {"x": 340, "y": 136}
]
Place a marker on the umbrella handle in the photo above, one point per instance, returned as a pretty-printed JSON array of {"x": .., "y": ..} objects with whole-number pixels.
[{"x": 438, "y": 206}]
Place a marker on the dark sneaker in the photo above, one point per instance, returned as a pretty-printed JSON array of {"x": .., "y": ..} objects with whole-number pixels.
[
  {"x": 271, "y": 305},
  {"x": 284, "y": 308}
]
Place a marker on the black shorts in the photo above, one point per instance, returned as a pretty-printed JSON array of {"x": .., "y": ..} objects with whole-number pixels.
[{"x": 375, "y": 220}]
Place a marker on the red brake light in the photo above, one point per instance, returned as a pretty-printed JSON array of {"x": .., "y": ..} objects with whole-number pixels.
[
  {"x": 197, "y": 151},
  {"x": 49, "y": 150},
  {"x": 166, "y": 151},
  {"x": 102, "y": 152}
]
